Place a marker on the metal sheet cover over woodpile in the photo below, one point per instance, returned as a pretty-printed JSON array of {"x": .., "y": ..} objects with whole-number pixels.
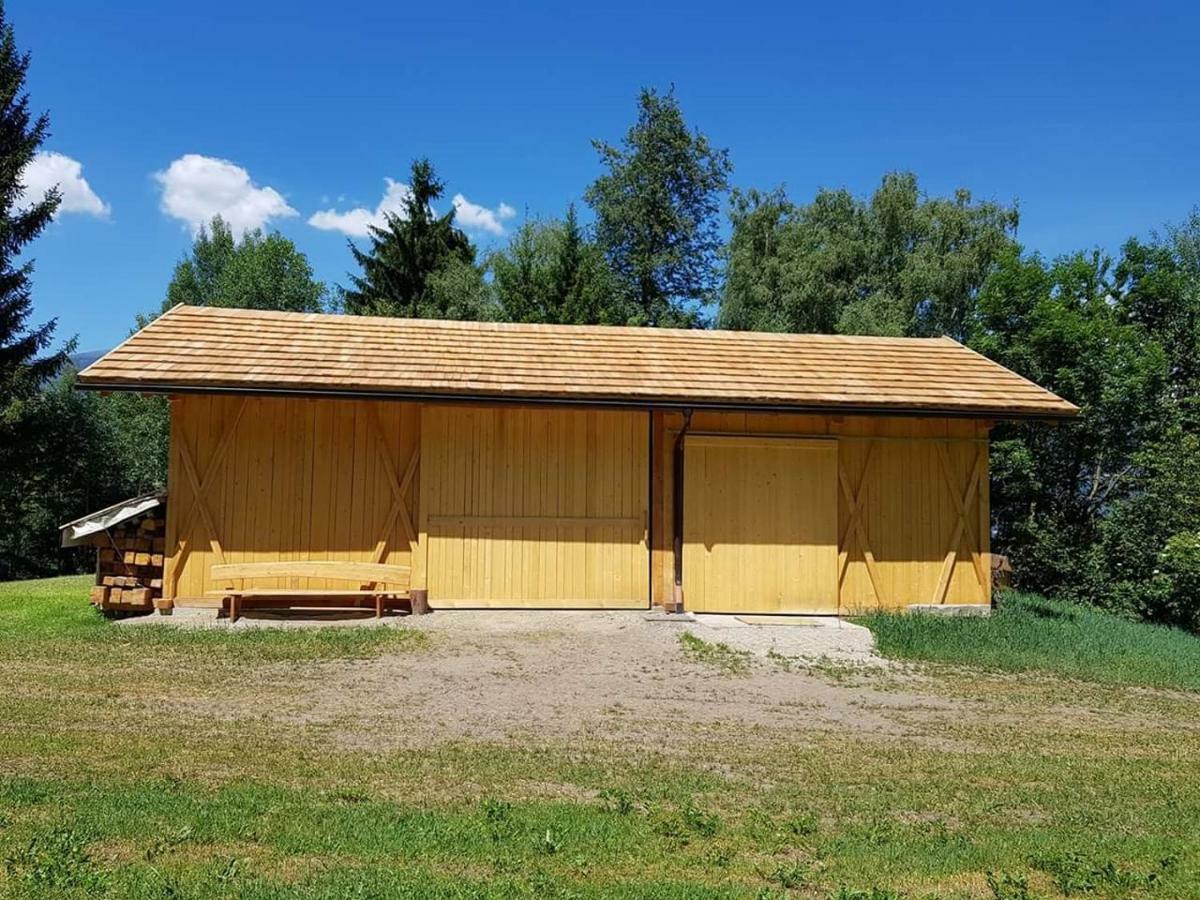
[
  {"x": 130, "y": 542},
  {"x": 203, "y": 349}
]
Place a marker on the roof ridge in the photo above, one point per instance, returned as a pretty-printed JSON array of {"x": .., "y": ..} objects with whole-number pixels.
[{"x": 554, "y": 328}]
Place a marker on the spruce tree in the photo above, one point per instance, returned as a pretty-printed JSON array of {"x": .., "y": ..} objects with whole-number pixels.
[
  {"x": 22, "y": 369},
  {"x": 399, "y": 268},
  {"x": 551, "y": 272},
  {"x": 567, "y": 272},
  {"x": 656, "y": 211}
]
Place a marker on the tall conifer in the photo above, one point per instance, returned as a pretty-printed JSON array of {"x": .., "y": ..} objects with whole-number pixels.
[{"x": 22, "y": 369}]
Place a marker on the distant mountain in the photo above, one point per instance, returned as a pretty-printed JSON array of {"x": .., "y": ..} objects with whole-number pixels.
[{"x": 86, "y": 358}]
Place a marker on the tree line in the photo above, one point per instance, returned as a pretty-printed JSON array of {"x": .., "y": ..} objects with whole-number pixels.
[{"x": 1104, "y": 510}]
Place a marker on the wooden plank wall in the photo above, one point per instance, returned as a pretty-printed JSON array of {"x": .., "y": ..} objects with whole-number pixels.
[
  {"x": 535, "y": 507},
  {"x": 294, "y": 479},
  {"x": 909, "y": 513}
]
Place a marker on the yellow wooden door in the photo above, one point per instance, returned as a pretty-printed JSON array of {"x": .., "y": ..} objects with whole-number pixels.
[
  {"x": 760, "y": 525},
  {"x": 535, "y": 507}
]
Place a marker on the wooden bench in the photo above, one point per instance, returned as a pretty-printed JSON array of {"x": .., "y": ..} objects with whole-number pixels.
[{"x": 382, "y": 581}]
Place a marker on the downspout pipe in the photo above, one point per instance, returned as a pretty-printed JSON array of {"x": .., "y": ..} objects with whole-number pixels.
[{"x": 677, "y": 510}]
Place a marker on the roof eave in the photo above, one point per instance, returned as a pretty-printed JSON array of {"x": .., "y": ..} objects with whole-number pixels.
[{"x": 596, "y": 401}]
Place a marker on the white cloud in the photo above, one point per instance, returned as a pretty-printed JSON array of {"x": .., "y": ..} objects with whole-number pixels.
[
  {"x": 357, "y": 222},
  {"x": 474, "y": 217},
  {"x": 195, "y": 188},
  {"x": 48, "y": 170}
]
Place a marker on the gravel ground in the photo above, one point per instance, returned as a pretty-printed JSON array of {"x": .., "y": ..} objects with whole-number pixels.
[
  {"x": 509, "y": 675},
  {"x": 800, "y": 637}
]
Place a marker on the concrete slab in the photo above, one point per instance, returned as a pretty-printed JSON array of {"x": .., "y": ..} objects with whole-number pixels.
[
  {"x": 810, "y": 621},
  {"x": 657, "y": 615},
  {"x": 809, "y": 638},
  {"x": 796, "y": 637}
]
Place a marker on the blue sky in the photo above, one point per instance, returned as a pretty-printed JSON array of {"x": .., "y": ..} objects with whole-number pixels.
[{"x": 1087, "y": 114}]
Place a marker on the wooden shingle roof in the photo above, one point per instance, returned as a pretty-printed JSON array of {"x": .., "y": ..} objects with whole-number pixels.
[{"x": 194, "y": 348}]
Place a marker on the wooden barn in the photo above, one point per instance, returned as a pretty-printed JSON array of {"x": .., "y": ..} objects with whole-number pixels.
[{"x": 462, "y": 464}]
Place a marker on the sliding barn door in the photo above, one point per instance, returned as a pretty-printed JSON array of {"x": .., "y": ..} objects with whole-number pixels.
[
  {"x": 760, "y": 525},
  {"x": 542, "y": 508}
]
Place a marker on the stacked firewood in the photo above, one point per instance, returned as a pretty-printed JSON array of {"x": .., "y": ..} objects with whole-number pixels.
[{"x": 129, "y": 566}]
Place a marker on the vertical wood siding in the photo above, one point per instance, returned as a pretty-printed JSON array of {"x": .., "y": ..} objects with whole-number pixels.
[
  {"x": 546, "y": 507},
  {"x": 535, "y": 507},
  {"x": 285, "y": 479},
  {"x": 760, "y": 525}
]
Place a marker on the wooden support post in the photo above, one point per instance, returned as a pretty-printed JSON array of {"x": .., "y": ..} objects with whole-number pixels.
[
  {"x": 677, "y": 463},
  {"x": 420, "y": 555},
  {"x": 420, "y": 601},
  {"x": 379, "y": 606}
]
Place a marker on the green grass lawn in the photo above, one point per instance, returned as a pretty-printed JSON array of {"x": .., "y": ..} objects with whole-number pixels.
[
  {"x": 1031, "y": 633},
  {"x": 108, "y": 789},
  {"x": 46, "y": 617},
  {"x": 722, "y": 656}
]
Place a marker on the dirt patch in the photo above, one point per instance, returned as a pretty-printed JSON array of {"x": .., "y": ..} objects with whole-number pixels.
[{"x": 500, "y": 676}]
